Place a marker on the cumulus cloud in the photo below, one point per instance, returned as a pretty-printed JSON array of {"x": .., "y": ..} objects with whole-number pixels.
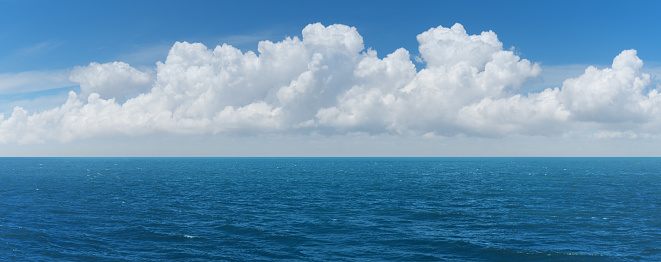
[
  {"x": 112, "y": 80},
  {"x": 327, "y": 83},
  {"x": 615, "y": 94}
]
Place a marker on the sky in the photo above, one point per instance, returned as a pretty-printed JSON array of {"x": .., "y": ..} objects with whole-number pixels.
[{"x": 334, "y": 78}]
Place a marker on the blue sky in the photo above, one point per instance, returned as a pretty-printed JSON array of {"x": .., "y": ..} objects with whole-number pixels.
[
  {"x": 48, "y": 35},
  {"x": 43, "y": 43}
]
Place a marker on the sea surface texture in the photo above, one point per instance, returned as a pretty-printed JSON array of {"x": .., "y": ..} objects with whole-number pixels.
[{"x": 330, "y": 209}]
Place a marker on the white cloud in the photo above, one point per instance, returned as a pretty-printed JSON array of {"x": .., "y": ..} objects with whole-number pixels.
[
  {"x": 111, "y": 80},
  {"x": 461, "y": 70},
  {"x": 535, "y": 114},
  {"x": 326, "y": 83},
  {"x": 451, "y": 46},
  {"x": 613, "y": 94}
]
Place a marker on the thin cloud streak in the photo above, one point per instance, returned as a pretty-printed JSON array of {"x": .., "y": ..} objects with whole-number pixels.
[
  {"x": 32, "y": 81},
  {"x": 39, "y": 48}
]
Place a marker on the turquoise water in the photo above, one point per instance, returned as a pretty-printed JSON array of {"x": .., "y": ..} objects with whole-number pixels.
[{"x": 330, "y": 209}]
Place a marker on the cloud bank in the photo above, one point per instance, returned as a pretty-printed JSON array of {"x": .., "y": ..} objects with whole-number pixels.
[{"x": 327, "y": 83}]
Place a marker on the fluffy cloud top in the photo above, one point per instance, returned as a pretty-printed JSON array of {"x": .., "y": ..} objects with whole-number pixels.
[
  {"x": 327, "y": 83},
  {"x": 112, "y": 80}
]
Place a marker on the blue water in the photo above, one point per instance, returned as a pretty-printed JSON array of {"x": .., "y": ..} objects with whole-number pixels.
[{"x": 330, "y": 209}]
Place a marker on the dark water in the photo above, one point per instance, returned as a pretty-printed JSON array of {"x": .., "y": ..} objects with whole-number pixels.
[{"x": 330, "y": 209}]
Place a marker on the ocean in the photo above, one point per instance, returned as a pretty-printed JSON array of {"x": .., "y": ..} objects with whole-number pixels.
[{"x": 330, "y": 209}]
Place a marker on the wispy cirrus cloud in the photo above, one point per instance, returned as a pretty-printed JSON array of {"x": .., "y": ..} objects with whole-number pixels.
[
  {"x": 32, "y": 81},
  {"x": 40, "y": 47}
]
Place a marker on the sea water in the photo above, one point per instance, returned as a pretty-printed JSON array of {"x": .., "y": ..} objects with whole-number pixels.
[{"x": 330, "y": 209}]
